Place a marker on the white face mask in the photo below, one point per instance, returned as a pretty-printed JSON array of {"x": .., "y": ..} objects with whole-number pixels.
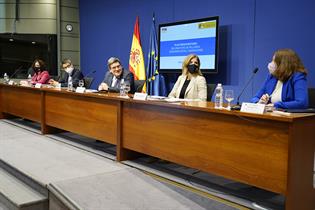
[
  {"x": 69, "y": 70},
  {"x": 272, "y": 66}
]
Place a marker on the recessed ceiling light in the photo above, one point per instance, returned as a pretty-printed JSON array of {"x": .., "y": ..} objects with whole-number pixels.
[
  {"x": 33, "y": 42},
  {"x": 11, "y": 40}
]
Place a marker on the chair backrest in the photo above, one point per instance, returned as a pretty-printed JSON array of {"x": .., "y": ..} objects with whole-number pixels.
[
  {"x": 210, "y": 90},
  {"x": 139, "y": 85},
  {"x": 88, "y": 82},
  {"x": 54, "y": 77},
  {"x": 311, "y": 97}
]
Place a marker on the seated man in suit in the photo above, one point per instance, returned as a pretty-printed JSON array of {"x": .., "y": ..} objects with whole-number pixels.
[
  {"x": 68, "y": 72},
  {"x": 115, "y": 74}
]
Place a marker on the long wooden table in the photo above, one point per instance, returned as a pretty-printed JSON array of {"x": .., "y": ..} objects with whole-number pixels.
[{"x": 272, "y": 152}]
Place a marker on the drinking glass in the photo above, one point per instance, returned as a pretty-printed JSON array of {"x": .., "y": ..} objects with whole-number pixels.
[
  {"x": 81, "y": 83},
  {"x": 229, "y": 96},
  {"x": 127, "y": 88}
]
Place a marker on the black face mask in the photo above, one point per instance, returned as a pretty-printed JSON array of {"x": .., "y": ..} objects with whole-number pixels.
[
  {"x": 192, "y": 68},
  {"x": 36, "y": 69}
]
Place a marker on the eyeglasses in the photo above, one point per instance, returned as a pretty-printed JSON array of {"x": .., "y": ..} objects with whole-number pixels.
[
  {"x": 115, "y": 67},
  {"x": 66, "y": 66}
]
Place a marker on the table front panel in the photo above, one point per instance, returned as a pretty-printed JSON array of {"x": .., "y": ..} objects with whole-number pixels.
[
  {"x": 92, "y": 117},
  {"x": 248, "y": 150},
  {"x": 21, "y": 102}
]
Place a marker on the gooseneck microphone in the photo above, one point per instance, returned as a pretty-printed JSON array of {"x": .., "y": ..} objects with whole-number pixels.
[
  {"x": 148, "y": 80},
  {"x": 90, "y": 73},
  {"x": 238, "y": 106},
  {"x": 16, "y": 71}
]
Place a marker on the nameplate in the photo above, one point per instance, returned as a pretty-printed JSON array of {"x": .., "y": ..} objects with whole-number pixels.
[
  {"x": 11, "y": 82},
  {"x": 38, "y": 85},
  {"x": 140, "y": 96},
  {"x": 80, "y": 90},
  {"x": 253, "y": 108}
]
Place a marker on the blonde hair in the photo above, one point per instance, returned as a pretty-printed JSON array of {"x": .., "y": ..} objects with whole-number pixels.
[
  {"x": 186, "y": 63},
  {"x": 288, "y": 62}
]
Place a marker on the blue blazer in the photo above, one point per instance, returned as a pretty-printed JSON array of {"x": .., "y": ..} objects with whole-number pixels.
[{"x": 294, "y": 91}]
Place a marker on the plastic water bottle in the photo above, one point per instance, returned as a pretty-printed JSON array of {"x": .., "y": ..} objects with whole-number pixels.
[
  {"x": 6, "y": 78},
  {"x": 29, "y": 80},
  {"x": 122, "y": 87},
  {"x": 218, "y": 103},
  {"x": 70, "y": 84}
]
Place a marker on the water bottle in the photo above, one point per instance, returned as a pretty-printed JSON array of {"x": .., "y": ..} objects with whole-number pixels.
[
  {"x": 218, "y": 103},
  {"x": 29, "y": 80},
  {"x": 122, "y": 87},
  {"x": 70, "y": 84},
  {"x": 5, "y": 78}
]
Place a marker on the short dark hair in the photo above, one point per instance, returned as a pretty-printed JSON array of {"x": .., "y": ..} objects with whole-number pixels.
[
  {"x": 67, "y": 60},
  {"x": 112, "y": 60}
]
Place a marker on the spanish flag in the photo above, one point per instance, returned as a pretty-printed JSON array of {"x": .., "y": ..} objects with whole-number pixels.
[{"x": 136, "y": 61}]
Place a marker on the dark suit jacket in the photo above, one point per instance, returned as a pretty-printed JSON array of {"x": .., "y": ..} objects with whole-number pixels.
[
  {"x": 76, "y": 75},
  {"x": 126, "y": 75}
]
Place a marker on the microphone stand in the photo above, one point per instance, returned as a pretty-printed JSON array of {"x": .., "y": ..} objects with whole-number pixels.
[
  {"x": 238, "y": 106},
  {"x": 14, "y": 73},
  {"x": 90, "y": 73}
]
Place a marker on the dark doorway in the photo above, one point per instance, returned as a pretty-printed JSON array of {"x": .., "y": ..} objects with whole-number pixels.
[{"x": 17, "y": 52}]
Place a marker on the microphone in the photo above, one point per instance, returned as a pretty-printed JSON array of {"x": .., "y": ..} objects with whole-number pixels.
[
  {"x": 16, "y": 71},
  {"x": 139, "y": 86},
  {"x": 90, "y": 73},
  {"x": 238, "y": 106}
]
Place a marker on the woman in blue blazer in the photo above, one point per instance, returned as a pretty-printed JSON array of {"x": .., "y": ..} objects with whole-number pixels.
[{"x": 286, "y": 85}]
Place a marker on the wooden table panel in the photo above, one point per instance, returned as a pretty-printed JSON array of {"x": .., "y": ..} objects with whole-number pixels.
[
  {"x": 250, "y": 151},
  {"x": 300, "y": 191},
  {"x": 92, "y": 117},
  {"x": 23, "y": 102},
  {"x": 268, "y": 151}
]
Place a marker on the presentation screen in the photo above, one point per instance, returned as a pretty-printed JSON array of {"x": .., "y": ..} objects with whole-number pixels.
[{"x": 179, "y": 39}]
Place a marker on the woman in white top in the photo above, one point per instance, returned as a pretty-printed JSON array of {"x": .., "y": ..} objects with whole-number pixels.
[{"x": 190, "y": 84}]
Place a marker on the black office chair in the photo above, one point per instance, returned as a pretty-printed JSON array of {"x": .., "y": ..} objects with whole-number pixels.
[
  {"x": 21, "y": 76},
  {"x": 88, "y": 82},
  {"x": 139, "y": 85},
  {"x": 311, "y": 97},
  {"x": 210, "y": 90}
]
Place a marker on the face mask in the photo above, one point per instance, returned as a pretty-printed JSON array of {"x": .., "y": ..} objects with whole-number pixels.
[
  {"x": 69, "y": 70},
  {"x": 192, "y": 68},
  {"x": 36, "y": 69},
  {"x": 272, "y": 66}
]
